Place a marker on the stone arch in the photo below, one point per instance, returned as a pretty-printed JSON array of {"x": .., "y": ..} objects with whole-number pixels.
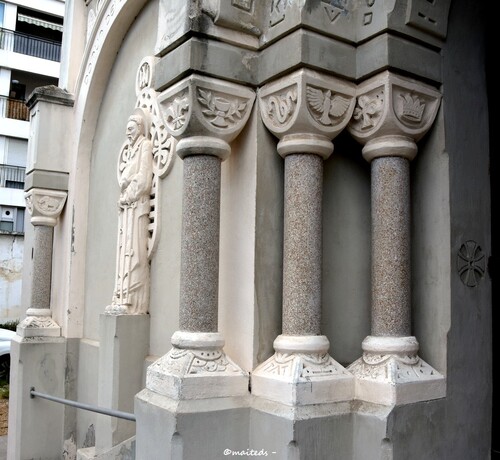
[{"x": 112, "y": 23}]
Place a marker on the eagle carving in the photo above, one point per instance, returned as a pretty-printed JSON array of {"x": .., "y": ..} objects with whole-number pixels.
[{"x": 325, "y": 105}]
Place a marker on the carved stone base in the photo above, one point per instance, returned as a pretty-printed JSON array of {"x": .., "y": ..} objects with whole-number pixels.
[
  {"x": 115, "y": 310},
  {"x": 302, "y": 372},
  {"x": 38, "y": 323},
  {"x": 391, "y": 373},
  {"x": 196, "y": 368}
]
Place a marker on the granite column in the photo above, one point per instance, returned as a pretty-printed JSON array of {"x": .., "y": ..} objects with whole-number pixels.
[
  {"x": 305, "y": 110},
  {"x": 391, "y": 115},
  {"x": 45, "y": 206},
  {"x": 204, "y": 115}
]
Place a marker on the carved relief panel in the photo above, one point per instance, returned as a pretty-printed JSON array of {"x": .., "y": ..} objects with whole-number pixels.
[
  {"x": 390, "y": 105},
  {"x": 307, "y": 102}
]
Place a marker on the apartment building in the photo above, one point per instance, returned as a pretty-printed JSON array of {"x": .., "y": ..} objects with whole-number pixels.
[{"x": 30, "y": 52}]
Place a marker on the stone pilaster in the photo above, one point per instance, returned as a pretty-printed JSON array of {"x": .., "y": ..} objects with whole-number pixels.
[
  {"x": 305, "y": 110},
  {"x": 45, "y": 207},
  {"x": 204, "y": 115},
  {"x": 391, "y": 115}
]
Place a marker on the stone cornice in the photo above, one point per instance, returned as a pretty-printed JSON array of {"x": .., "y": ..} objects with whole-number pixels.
[
  {"x": 254, "y": 42},
  {"x": 255, "y": 24}
]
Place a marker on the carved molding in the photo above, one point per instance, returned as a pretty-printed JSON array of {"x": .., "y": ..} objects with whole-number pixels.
[
  {"x": 99, "y": 21},
  {"x": 300, "y": 367},
  {"x": 202, "y": 107},
  {"x": 45, "y": 205},
  {"x": 163, "y": 144},
  {"x": 389, "y": 105},
  {"x": 306, "y": 103},
  {"x": 195, "y": 368},
  {"x": 392, "y": 360},
  {"x": 301, "y": 372},
  {"x": 190, "y": 362},
  {"x": 38, "y": 323},
  {"x": 238, "y": 15},
  {"x": 392, "y": 368}
]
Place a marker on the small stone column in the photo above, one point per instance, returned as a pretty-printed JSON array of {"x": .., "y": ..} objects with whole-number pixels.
[
  {"x": 45, "y": 206},
  {"x": 391, "y": 115},
  {"x": 204, "y": 115},
  {"x": 305, "y": 110}
]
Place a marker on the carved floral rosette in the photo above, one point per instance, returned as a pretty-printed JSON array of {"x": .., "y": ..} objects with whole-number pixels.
[
  {"x": 201, "y": 107},
  {"x": 307, "y": 103},
  {"x": 390, "y": 106},
  {"x": 45, "y": 205}
]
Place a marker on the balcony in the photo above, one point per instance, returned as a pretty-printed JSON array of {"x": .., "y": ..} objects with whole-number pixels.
[
  {"x": 14, "y": 109},
  {"x": 12, "y": 176},
  {"x": 30, "y": 45}
]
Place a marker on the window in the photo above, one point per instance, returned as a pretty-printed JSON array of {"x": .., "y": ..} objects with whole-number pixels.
[
  {"x": 12, "y": 176},
  {"x": 2, "y": 7},
  {"x": 11, "y": 219}
]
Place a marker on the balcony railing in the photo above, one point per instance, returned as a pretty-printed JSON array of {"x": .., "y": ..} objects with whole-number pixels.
[
  {"x": 19, "y": 42},
  {"x": 12, "y": 176},
  {"x": 13, "y": 108}
]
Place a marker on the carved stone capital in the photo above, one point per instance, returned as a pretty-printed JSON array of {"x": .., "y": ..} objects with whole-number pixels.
[
  {"x": 391, "y": 372},
  {"x": 301, "y": 372},
  {"x": 205, "y": 114},
  {"x": 45, "y": 205},
  {"x": 38, "y": 323},
  {"x": 306, "y": 110},
  {"x": 392, "y": 113},
  {"x": 196, "y": 368}
]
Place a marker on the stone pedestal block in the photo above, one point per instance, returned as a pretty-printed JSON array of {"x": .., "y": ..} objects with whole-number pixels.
[
  {"x": 196, "y": 368},
  {"x": 35, "y": 424},
  {"x": 302, "y": 372},
  {"x": 186, "y": 430},
  {"x": 391, "y": 372},
  {"x": 124, "y": 346},
  {"x": 309, "y": 432}
]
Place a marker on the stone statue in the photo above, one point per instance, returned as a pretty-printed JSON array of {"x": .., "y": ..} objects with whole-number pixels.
[{"x": 135, "y": 174}]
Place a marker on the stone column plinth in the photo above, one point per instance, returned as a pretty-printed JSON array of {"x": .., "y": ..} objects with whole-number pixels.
[
  {"x": 45, "y": 206},
  {"x": 391, "y": 115},
  {"x": 204, "y": 115},
  {"x": 305, "y": 110}
]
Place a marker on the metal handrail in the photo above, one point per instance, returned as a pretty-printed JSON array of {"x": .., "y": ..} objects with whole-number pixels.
[
  {"x": 79, "y": 405},
  {"x": 30, "y": 45},
  {"x": 13, "y": 175}
]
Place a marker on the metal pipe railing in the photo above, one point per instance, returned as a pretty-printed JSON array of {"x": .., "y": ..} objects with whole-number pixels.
[
  {"x": 79, "y": 405},
  {"x": 19, "y": 42}
]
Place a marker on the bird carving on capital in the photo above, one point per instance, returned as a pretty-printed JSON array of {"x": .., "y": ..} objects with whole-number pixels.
[{"x": 326, "y": 105}]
